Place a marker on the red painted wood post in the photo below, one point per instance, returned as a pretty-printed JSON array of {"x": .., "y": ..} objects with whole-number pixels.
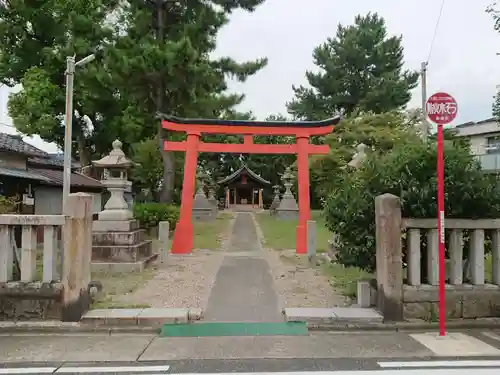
[
  {"x": 304, "y": 199},
  {"x": 182, "y": 242}
]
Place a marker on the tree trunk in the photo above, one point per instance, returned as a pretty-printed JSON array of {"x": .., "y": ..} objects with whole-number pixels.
[
  {"x": 166, "y": 194},
  {"x": 84, "y": 154},
  {"x": 168, "y": 158}
]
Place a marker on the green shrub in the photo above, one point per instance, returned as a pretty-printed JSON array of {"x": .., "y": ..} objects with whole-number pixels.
[
  {"x": 150, "y": 214},
  {"x": 409, "y": 172},
  {"x": 8, "y": 205}
]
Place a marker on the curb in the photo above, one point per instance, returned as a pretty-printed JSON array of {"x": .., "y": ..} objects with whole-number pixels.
[
  {"x": 55, "y": 327},
  {"x": 69, "y": 328},
  {"x": 483, "y": 323}
]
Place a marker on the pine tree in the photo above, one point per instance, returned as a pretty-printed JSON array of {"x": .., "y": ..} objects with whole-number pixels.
[{"x": 361, "y": 68}]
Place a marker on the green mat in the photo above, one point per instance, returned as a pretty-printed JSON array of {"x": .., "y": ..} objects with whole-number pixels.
[{"x": 234, "y": 329}]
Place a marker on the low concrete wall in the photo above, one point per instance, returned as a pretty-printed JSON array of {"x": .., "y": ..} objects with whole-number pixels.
[
  {"x": 46, "y": 282},
  {"x": 410, "y": 290}
]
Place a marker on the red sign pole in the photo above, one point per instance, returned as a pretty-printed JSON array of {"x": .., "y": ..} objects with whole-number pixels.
[
  {"x": 442, "y": 109},
  {"x": 440, "y": 203}
]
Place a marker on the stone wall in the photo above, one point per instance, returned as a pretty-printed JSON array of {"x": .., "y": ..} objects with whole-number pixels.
[{"x": 30, "y": 301}]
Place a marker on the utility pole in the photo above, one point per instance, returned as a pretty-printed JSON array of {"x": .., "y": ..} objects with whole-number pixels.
[
  {"x": 425, "y": 123},
  {"x": 68, "y": 123}
]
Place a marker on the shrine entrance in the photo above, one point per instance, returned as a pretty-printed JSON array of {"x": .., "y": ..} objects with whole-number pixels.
[
  {"x": 302, "y": 130},
  {"x": 243, "y": 187}
]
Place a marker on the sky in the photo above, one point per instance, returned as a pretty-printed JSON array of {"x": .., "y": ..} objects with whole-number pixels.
[{"x": 462, "y": 59}]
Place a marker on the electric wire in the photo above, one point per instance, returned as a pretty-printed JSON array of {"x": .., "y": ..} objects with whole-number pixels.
[{"x": 436, "y": 27}]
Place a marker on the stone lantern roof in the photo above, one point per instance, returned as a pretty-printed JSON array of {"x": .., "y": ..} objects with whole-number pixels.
[{"x": 115, "y": 159}]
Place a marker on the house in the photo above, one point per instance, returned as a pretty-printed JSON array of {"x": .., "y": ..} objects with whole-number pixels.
[
  {"x": 36, "y": 177},
  {"x": 484, "y": 138}
]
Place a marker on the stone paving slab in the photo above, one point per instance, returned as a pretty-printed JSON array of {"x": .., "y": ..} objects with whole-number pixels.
[
  {"x": 332, "y": 315},
  {"x": 144, "y": 317},
  {"x": 244, "y": 287},
  {"x": 158, "y": 317},
  {"x": 112, "y": 316}
]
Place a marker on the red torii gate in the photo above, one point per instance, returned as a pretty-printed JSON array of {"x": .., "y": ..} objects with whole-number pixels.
[{"x": 302, "y": 130}]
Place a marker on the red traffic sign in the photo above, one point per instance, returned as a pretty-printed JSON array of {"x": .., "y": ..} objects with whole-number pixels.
[{"x": 441, "y": 108}]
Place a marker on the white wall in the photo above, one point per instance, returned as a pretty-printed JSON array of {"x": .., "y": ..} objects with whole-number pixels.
[{"x": 48, "y": 201}]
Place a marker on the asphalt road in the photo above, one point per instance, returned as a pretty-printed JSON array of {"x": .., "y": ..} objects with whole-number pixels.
[{"x": 306, "y": 366}]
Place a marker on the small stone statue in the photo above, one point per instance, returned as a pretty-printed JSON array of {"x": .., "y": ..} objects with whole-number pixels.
[{"x": 358, "y": 157}]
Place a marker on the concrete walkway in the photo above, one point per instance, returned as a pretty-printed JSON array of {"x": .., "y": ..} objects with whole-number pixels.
[
  {"x": 144, "y": 348},
  {"x": 243, "y": 289}
]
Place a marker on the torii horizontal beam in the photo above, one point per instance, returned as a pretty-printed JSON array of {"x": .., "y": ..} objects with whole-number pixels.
[{"x": 252, "y": 148}]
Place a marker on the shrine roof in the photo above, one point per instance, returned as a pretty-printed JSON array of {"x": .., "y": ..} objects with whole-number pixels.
[
  {"x": 238, "y": 172},
  {"x": 250, "y": 123}
]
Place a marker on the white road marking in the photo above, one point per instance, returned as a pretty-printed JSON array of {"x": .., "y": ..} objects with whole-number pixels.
[
  {"x": 28, "y": 370},
  {"x": 107, "y": 369},
  {"x": 458, "y": 363},
  {"x": 454, "y": 344},
  {"x": 491, "y": 335}
]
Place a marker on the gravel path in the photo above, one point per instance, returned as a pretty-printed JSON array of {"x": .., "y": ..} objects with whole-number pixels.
[
  {"x": 297, "y": 284},
  {"x": 185, "y": 281}
]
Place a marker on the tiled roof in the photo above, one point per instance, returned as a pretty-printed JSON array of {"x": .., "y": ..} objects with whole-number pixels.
[
  {"x": 22, "y": 173},
  {"x": 56, "y": 178},
  {"x": 251, "y": 173},
  {"x": 51, "y": 160},
  {"x": 50, "y": 177},
  {"x": 15, "y": 143}
]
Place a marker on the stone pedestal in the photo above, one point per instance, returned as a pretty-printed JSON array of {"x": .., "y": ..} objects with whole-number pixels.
[
  {"x": 288, "y": 208},
  {"x": 118, "y": 244},
  {"x": 202, "y": 208}
]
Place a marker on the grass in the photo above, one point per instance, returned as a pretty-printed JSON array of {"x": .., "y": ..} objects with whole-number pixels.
[
  {"x": 209, "y": 234},
  {"x": 344, "y": 279},
  {"x": 115, "y": 284},
  {"x": 281, "y": 234}
]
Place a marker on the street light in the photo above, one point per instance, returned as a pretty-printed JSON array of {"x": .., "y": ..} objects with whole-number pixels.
[{"x": 68, "y": 122}]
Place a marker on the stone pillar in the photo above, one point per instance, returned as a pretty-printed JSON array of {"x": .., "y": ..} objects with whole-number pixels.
[
  {"x": 77, "y": 257},
  {"x": 163, "y": 240},
  {"x": 389, "y": 257},
  {"x": 261, "y": 203},
  {"x": 228, "y": 203}
]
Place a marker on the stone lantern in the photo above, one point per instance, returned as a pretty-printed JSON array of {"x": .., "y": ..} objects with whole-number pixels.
[
  {"x": 276, "y": 200},
  {"x": 288, "y": 208},
  {"x": 202, "y": 208},
  {"x": 212, "y": 186},
  {"x": 117, "y": 241},
  {"x": 115, "y": 180}
]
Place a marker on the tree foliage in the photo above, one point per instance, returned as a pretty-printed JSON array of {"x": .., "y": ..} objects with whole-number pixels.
[
  {"x": 361, "y": 68},
  {"x": 409, "y": 172},
  {"x": 379, "y": 132},
  {"x": 153, "y": 56}
]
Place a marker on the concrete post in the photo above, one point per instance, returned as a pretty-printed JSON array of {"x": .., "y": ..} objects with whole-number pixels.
[
  {"x": 77, "y": 256},
  {"x": 311, "y": 241},
  {"x": 389, "y": 257},
  {"x": 163, "y": 240}
]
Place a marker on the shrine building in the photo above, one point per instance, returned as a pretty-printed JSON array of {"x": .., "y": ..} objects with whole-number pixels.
[{"x": 244, "y": 187}]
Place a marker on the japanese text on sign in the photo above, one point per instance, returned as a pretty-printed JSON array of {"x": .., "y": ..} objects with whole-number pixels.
[{"x": 444, "y": 111}]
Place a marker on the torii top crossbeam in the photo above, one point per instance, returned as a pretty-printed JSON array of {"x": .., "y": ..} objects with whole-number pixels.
[{"x": 194, "y": 128}]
